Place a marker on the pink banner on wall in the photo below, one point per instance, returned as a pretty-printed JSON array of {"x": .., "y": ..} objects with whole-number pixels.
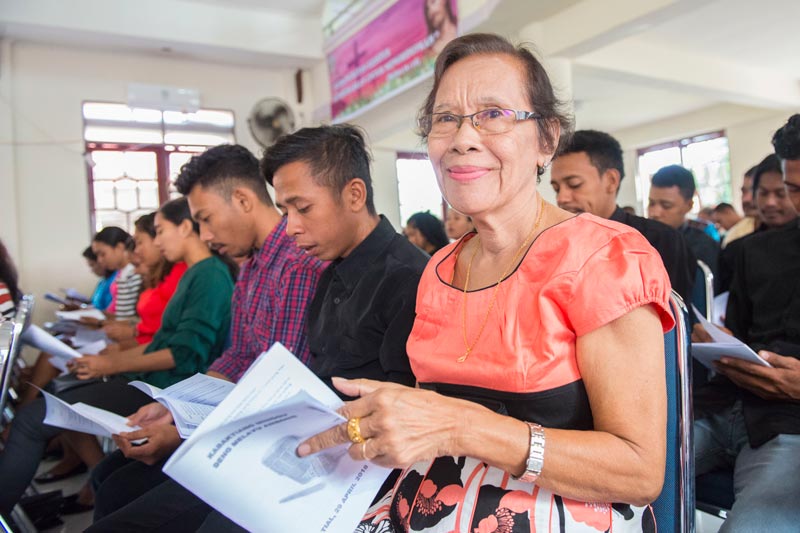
[{"x": 395, "y": 50}]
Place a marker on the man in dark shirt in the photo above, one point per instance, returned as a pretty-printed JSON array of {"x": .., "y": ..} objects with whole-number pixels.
[
  {"x": 748, "y": 417},
  {"x": 362, "y": 313},
  {"x": 774, "y": 210},
  {"x": 586, "y": 178},
  {"x": 671, "y": 198}
]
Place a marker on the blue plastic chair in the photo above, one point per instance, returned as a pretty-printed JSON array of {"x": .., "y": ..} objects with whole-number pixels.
[{"x": 674, "y": 508}]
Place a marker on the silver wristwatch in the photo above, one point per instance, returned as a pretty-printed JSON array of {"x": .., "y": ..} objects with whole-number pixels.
[{"x": 535, "y": 462}]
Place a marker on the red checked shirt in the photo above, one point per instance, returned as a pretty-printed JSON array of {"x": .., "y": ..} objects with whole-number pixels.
[{"x": 270, "y": 301}]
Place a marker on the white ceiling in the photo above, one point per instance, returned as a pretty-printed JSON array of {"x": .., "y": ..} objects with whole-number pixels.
[
  {"x": 636, "y": 63},
  {"x": 606, "y": 103},
  {"x": 753, "y": 33},
  {"x": 298, "y": 7}
]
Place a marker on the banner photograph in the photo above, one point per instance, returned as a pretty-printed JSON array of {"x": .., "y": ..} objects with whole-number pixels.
[{"x": 393, "y": 51}]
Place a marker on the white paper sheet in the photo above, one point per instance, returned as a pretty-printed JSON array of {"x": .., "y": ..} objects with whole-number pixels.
[
  {"x": 93, "y": 348},
  {"x": 242, "y": 460},
  {"x": 40, "y": 339},
  {"x": 60, "y": 364},
  {"x": 724, "y": 345},
  {"x": 720, "y": 305},
  {"x": 84, "y": 336},
  {"x": 81, "y": 313},
  {"x": 190, "y": 401},
  {"x": 83, "y": 418}
]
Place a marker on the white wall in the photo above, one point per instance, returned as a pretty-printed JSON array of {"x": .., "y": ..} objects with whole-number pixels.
[{"x": 46, "y": 86}]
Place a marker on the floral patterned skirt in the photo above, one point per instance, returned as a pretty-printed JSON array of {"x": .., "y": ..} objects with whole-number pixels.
[{"x": 458, "y": 494}]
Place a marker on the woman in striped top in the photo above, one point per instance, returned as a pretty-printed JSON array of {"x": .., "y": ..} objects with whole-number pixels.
[
  {"x": 112, "y": 246},
  {"x": 9, "y": 290}
]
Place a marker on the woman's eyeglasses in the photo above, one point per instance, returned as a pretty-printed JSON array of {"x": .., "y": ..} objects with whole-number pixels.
[{"x": 488, "y": 121}]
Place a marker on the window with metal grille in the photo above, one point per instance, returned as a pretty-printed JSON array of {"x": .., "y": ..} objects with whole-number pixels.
[
  {"x": 133, "y": 156},
  {"x": 706, "y": 155},
  {"x": 416, "y": 186}
]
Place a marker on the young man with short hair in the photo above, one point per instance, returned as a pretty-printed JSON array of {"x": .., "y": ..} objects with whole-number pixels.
[
  {"x": 671, "y": 198},
  {"x": 725, "y": 216},
  {"x": 363, "y": 310}
]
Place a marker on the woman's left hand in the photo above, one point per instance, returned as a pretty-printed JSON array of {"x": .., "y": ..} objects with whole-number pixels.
[
  {"x": 92, "y": 366},
  {"x": 400, "y": 425}
]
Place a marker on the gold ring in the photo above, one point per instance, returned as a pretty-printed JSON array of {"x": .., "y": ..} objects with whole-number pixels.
[
  {"x": 364, "y": 450},
  {"x": 354, "y": 430}
]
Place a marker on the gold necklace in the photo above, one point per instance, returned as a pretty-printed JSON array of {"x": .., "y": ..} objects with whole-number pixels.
[{"x": 468, "y": 347}]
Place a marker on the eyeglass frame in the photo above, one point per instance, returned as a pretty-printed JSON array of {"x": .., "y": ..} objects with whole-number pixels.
[{"x": 518, "y": 116}]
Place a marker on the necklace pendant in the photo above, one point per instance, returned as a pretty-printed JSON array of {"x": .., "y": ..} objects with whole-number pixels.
[{"x": 462, "y": 358}]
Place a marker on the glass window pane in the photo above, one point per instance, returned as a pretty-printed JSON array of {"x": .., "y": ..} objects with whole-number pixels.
[
  {"x": 104, "y": 219},
  {"x": 108, "y": 165},
  {"x": 417, "y": 188},
  {"x": 709, "y": 162},
  {"x": 113, "y": 165},
  {"x": 127, "y": 195},
  {"x": 211, "y": 117},
  {"x": 103, "y": 195},
  {"x": 120, "y": 112},
  {"x": 148, "y": 194},
  {"x": 204, "y": 139},
  {"x": 122, "y": 135}
]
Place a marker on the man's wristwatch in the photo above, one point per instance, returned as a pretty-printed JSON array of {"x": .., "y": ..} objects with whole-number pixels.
[{"x": 535, "y": 462}]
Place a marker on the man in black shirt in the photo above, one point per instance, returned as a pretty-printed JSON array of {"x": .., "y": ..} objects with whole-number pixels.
[
  {"x": 774, "y": 210},
  {"x": 671, "y": 198},
  {"x": 586, "y": 178},
  {"x": 748, "y": 417},
  {"x": 363, "y": 310}
]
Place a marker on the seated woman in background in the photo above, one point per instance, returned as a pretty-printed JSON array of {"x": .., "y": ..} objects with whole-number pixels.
[
  {"x": 101, "y": 297},
  {"x": 160, "y": 277},
  {"x": 113, "y": 247},
  {"x": 9, "y": 287},
  {"x": 538, "y": 341},
  {"x": 426, "y": 232},
  {"x": 456, "y": 225},
  {"x": 194, "y": 328}
]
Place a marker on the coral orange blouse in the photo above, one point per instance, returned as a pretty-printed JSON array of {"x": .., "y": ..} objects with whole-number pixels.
[{"x": 576, "y": 277}]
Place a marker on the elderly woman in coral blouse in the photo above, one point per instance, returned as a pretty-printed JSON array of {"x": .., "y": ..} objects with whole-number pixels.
[{"x": 538, "y": 342}]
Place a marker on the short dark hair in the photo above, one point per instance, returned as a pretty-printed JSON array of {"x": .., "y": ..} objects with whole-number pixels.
[
  {"x": 604, "y": 151},
  {"x": 112, "y": 236},
  {"x": 89, "y": 254},
  {"x": 431, "y": 228},
  {"x": 538, "y": 88},
  {"x": 336, "y": 155},
  {"x": 750, "y": 171},
  {"x": 723, "y": 206},
  {"x": 223, "y": 167},
  {"x": 787, "y": 139},
  {"x": 771, "y": 163},
  {"x": 675, "y": 176}
]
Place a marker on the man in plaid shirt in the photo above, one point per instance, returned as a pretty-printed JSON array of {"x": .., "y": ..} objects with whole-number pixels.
[{"x": 229, "y": 200}]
